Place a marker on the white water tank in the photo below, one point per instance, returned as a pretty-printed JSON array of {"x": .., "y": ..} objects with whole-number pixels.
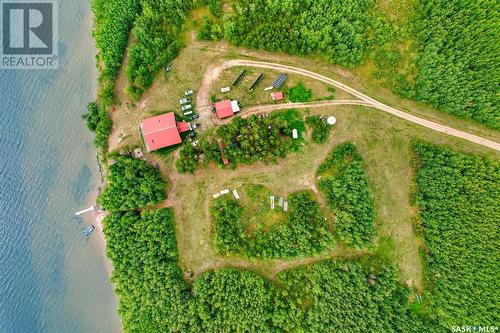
[{"x": 331, "y": 120}]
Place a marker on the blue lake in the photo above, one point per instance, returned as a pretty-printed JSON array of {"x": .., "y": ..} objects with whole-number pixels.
[{"x": 51, "y": 280}]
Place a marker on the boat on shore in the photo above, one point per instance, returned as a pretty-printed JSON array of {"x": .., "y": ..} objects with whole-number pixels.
[{"x": 87, "y": 231}]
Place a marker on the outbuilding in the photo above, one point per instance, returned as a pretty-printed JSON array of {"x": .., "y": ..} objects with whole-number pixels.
[
  {"x": 277, "y": 96},
  {"x": 161, "y": 131},
  {"x": 226, "y": 108}
]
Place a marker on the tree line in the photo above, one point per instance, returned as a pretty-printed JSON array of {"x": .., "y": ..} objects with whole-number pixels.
[
  {"x": 344, "y": 182},
  {"x": 458, "y": 197},
  {"x": 341, "y": 296}
]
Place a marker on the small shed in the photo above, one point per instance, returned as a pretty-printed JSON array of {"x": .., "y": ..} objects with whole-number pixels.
[
  {"x": 295, "y": 134},
  {"x": 277, "y": 96},
  {"x": 182, "y": 126},
  {"x": 226, "y": 108},
  {"x": 225, "y": 89}
]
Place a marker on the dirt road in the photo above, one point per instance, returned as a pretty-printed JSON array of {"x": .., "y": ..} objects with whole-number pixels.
[{"x": 203, "y": 100}]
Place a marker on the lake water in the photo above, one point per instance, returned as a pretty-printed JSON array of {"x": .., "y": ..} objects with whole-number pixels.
[{"x": 51, "y": 280}]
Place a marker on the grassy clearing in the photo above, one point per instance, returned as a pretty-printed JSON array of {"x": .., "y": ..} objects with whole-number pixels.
[
  {"x": 383, "y": 141},
  {"x": 257, "y": 214},
  {"x": 258, "y": 96}
]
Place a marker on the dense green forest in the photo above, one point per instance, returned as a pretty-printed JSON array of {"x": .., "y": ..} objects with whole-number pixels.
[
  {"x": 343, "y": 180},
  {"x": 153, "y": 295},
  {"x": 459, "y": 200},
  {"x": 113, "y": 20},
  {"x": 350, "y": 296},
  {"x": 302, "y": 233},
  {"x": 340, "y": 296},
  {"x": 452, "y": 62},
  {"x": 338, "y": 30},
  {"x": 131, "y": 184},
  {"x": 156, "y": 42},
  {"x": 458, "y": 57},
  {"x": 229, "y": 300}
]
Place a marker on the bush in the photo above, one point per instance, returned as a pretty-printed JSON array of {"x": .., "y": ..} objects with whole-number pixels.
[
  {"x": 187, "y": 161},
  {"x": 299, "y": 93},
  {"x": 341, "y": 31},
  {"x": 229, "y": 300},
  {"x": 92, "y": 116},
  {"x": 321, "y": 130},
  {"x": 210, "y": 30}
]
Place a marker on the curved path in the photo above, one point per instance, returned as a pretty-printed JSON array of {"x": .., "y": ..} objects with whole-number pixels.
[{"x": 364, "y": 100}]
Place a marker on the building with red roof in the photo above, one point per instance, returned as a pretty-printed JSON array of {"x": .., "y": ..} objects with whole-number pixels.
[
  {"x": 277, "y": 96},
  {"x": 226, "y": 108},
  {"x": 161, "y": 131},
  {"x": 183, "y": 127}
]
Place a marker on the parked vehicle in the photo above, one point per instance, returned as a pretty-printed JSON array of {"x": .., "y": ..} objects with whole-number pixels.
[
  {"x": 196, "y": 126},
  {"x": 195, "y": 144},
  {"x": 188, "y": 113},
  {"x": 192, "y": 133},
  {"x": 195, "y": 116},
  {"x": 188, "y": 92},
  {"x": 184, "y": 100},
  {"x": 186, "y": 107}
]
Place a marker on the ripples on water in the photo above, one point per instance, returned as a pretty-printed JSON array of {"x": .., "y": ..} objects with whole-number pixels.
[{"x": 50, "y": 279}]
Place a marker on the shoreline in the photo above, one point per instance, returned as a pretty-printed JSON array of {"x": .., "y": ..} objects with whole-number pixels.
[{"x": 96, "y": 218}]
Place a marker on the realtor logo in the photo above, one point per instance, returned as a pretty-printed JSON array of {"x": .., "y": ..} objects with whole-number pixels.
[{"x": 29, "y": 34}]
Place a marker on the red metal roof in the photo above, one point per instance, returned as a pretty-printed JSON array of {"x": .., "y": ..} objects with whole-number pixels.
[
  {"x": 160, "y": 131},
  {"x": 182, "y": 126},
  {"x": 277, "y": 96},
  {"x": 223, "y": 109}
]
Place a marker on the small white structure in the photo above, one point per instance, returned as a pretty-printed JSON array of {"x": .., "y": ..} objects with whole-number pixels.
[
  {"x": 216, "y": 195},
  {"x": 138, "y": 153},
  {"x": 224, "y": 192},
  {"x": 236, "y": 195},
  {"x": 331, "y": 120},
  {"x": 280, "y": 203},
  {"x": 295, "y": 134},
  {"x": 268, "y": 88},
  {"x": 272, "y": 201},
  {"x": 235, "y": 106},
  {"x": 225, "y": 89},
  {"x": 188, "y": 113},
  {"x": 285, "y": 206}
]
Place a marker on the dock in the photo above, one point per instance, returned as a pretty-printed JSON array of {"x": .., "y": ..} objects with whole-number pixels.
[{"x": 88, "y": 210}]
